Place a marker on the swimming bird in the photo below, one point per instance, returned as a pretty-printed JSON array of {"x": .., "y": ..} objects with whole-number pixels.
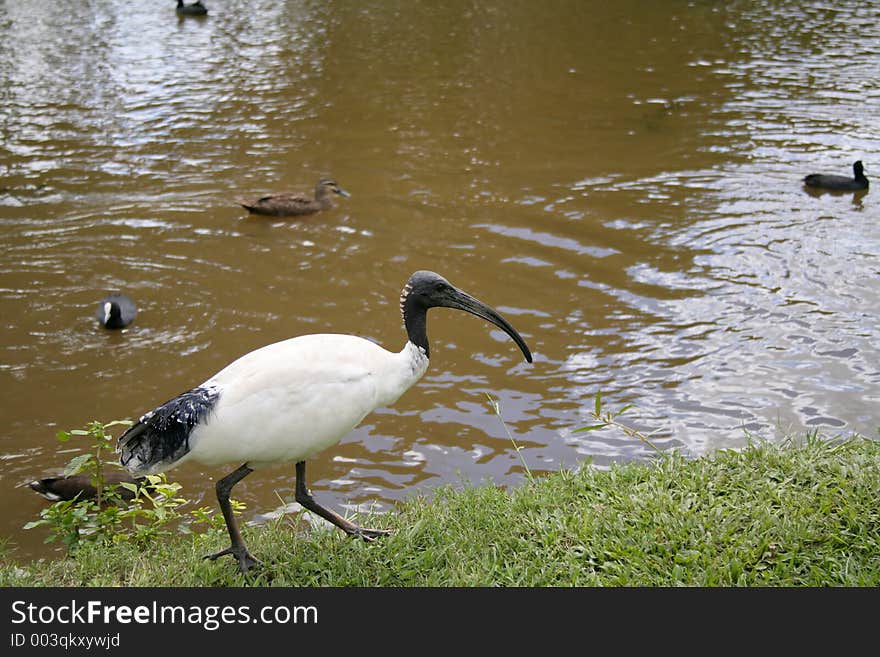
[
  {"x": 289, "y": 205},
  {"x": 194, "y": 9},
  {"x": 80, "y": 486},
  {"x": 116, "y": 311},
  {"x": 841, "y": 183},
  {"x": 290, "y": 400}
]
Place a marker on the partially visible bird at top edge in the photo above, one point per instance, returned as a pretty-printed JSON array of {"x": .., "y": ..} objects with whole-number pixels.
[{"x": 194, "y": 9}]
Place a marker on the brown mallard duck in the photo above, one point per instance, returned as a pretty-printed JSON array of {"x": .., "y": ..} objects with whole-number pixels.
[
  {"x": 837, "y": 182},
  {"x": 289, "y": 205}
]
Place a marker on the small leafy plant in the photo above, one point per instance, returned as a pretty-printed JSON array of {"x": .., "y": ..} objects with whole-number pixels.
[
  {"x": 604, "y": 418},
  {"x": 153, "y": 507},
  {"x": 607, "y": 419},
  {"x": 496, "y": 407}
]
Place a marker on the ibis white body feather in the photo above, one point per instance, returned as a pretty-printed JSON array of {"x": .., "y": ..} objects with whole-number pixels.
[{"x": 307, "y": 392}]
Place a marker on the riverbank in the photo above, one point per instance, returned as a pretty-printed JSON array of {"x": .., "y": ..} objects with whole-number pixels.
[{"x": 804, "y": 515}]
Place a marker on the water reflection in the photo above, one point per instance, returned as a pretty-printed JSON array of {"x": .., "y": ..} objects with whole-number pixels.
[{"x": 624, "y": 183}]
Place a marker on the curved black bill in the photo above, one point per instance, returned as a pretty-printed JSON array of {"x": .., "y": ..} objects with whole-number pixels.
[{"x": 464, "y": 301}]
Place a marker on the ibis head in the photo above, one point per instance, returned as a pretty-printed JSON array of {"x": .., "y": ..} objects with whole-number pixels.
[{"x": 426, "y": 289}]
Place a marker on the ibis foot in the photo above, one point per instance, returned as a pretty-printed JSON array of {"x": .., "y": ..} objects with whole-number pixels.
[
  {"x": 236, "y": 547},
  {"x": 369, "y": 535},
  {"x": 305, "y": 499},
  {"x": 245, "y": 559}
]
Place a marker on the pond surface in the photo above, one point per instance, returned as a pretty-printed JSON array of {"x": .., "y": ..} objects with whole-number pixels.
[{"x": 621, "y": 180}]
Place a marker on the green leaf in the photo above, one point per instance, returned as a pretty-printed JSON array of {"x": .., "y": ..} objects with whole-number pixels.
[
  {"x": 598, "y": 403},
  {"x": 116, "y": 423},
  {"x": 77, "y": 464},
  {"x": 592, "y": 427}
]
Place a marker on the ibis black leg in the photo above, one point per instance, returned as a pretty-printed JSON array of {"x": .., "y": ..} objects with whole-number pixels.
[
  {"x": 304, "y": 497},
  {"x": 237, "y": 547}
]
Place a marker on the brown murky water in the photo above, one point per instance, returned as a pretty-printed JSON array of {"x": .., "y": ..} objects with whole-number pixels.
[{"x": 621, "y": 180}]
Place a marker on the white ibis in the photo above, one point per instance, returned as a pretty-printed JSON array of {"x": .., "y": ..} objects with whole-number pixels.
[
  {"x": 116, "y": 311},
  {"x": 837, "y": 182},
  {"x": 289, "y": 400}
]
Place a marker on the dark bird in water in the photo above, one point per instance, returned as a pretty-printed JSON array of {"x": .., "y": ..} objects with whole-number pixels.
[
  {"x": 839, "y": 183},
  {"x": 80, "y": 486},
  {"x": 116, "y": 311},
  {"x": 290, "y": 400},
  {"x": 290, "y": 205},
  {"x": 194, "y": 9}
]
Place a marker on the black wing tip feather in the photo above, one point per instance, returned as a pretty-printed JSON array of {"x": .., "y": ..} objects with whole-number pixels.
[{"x": 161, "y": 437}]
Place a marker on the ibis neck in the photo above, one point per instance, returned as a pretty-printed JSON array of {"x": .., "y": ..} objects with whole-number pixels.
[
  {"x": 402, "y": 371},
  {"x": 415, "y": 319}
]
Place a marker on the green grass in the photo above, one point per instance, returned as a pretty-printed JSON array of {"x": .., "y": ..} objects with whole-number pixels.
[{"x": 763, "y": 516}]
